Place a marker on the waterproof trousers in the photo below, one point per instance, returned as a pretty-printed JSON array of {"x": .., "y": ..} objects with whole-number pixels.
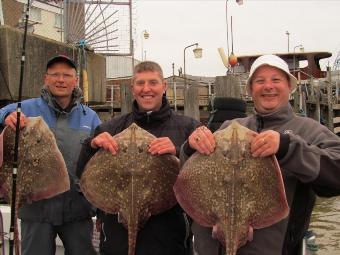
[{"x": 38, "y": 238}]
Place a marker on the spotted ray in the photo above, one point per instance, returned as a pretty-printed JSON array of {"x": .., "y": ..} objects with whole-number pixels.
[
  {"x": 41, "y": 172},
  {"x": 133, "y": 184},
  {"x": 232, "y": 191}
]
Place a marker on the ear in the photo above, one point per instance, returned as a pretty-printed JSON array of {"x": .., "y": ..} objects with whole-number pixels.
[
  {"x": 131, "y": 88},
  {"x": 165, "y": 84},
  {"x": 249, "y": 89},
  {"x": 45, "y": 80}
]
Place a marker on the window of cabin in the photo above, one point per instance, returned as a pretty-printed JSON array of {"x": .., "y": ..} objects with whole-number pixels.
[
  {"x": 303, "y": 63},
  {"x": 57, "y": 20},
  {"x": 35, "y": 14}
]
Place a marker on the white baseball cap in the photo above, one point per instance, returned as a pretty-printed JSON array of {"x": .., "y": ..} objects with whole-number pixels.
[{"x": 275, "y": 61}]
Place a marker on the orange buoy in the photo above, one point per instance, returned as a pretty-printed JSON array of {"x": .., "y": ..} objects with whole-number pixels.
[{"x": 232, "y": 60}]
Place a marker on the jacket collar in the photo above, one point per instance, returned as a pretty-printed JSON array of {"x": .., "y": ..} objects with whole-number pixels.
[
  {"x": 51, "y": 101},
  {"x": 162, "y": 114},
  {"x": 278, "y": 117}
]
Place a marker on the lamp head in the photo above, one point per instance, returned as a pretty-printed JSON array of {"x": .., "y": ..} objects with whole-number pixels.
[
  {"x": 146, "y": 34},
  {"x": 198, "y": 52}
]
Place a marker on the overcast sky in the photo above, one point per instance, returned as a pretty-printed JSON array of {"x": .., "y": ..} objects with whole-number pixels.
[{"x": 259, "y": 26}]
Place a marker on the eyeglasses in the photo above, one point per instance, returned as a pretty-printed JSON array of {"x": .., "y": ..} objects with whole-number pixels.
[{"x": 65, "y": 76}]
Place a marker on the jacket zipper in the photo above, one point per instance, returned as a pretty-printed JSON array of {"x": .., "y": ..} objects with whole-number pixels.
[
  {"x": 103, "y": 231},
  {"x": 148, "y": 116},
  {"x": 187, "y": 229}
]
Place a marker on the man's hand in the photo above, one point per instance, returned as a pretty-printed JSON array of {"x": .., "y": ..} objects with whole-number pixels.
[
  {"x": 11, "y": 120},
  {"x": 202, "y": 140},
  {"x": 265, "y": 144},
  {"x": 162, "y": 145},
  {"x": 105, "y": 141}
]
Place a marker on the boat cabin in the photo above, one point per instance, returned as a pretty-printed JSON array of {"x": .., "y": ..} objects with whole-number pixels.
[{"x": 307, "y": 63}]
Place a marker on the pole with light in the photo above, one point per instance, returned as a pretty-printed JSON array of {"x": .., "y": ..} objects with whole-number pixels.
[
  {"x": 144, "y": 35},
  {"x": 287, "y": 33},
  {"x": 298, "y": 77},
  {"x": 198, "y": 54},
  {"x": 301, "y": 49}
]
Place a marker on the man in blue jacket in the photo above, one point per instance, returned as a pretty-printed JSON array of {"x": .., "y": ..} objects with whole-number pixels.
[{"x": 67, "y": 215}]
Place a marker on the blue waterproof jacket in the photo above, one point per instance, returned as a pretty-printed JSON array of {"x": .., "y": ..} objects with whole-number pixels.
[{"x": 70, "y": 128}]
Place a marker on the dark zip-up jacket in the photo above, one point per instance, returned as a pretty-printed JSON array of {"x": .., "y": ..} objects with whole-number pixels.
[
  {"x": 163, "y": 234},
  {"x": 309, "y": 158}
]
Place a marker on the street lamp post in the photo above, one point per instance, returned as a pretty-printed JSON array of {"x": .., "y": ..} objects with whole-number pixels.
[
  {"x": 144, "y": 35},
  {"x": 198, "y": 54},
  {"x": 287, "y": 33},
  {"x": 294, "y": 59}
]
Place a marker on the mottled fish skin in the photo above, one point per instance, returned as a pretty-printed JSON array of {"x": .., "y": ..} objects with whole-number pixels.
[
  {"x": 133, "y": 184},
  {"x": 41, "y": 172},
  {"x": 230, "y": 190}
]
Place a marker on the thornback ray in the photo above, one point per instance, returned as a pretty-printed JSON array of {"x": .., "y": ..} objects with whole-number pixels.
[
  {"x": 41, "y": 171},
  {"x": 230, "y": 190},
  {"x": 133, "y": 184}
]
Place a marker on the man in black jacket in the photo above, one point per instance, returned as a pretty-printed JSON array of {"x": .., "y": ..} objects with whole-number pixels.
[{"x": 167, "y": 233}]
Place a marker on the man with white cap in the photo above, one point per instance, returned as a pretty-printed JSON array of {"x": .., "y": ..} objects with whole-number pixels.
[{"x": 307, "y": 152}]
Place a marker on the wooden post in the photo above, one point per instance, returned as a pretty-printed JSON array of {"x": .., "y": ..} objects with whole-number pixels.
[
  {"x": 191, "y": 102},
  {"x": 337, "y": 92},
  {"x": 300, "y": 92},
  {"x": 126, "y": 98},
  {"x": 296, "y": 99},
  {"x": 296, "y": 95},
  {"x": 329, "y": 99},
  {"x": 316, "y": 92},
  {"x": 303, "y": 101},
  {"x": 227, "y": 86}
]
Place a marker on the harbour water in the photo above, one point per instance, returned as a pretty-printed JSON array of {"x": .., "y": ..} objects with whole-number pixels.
[{"x": 325, "y": 224}]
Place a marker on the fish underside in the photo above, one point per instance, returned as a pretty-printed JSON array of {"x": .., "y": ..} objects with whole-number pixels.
[
  {"x": 41, "y": 171},
  {"x": 232, "y": 191},
  {"x": 133, "y": 184}
]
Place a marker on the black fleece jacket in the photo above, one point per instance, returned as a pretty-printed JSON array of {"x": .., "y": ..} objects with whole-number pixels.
[{"x": 163, "y": 234}]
